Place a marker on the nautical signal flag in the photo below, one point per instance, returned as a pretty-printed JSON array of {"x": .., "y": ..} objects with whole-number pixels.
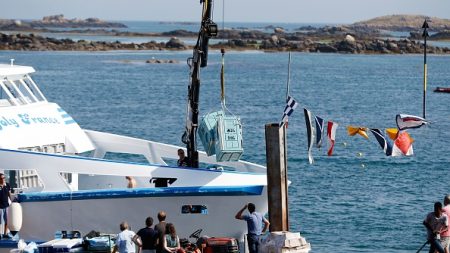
[
  {"x": 384, "y": 143},
  {"x": 309, "y": 132},
  {"x": 392, "y": 133},
  {"x": 319, "y": 131},
  {"x": 403, "y": 145},
  {"x": 331, "y": 133},
  {"x": 291, "y": 104},
  {"x": 352, "y": 131},
  {"x": 405, "y": 121}
]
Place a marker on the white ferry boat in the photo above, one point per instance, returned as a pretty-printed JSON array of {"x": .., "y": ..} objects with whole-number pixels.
[{"x": 64, "y": 182}]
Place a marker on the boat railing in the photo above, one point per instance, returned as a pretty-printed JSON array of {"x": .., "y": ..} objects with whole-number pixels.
[{"x": 158, "y": 153}]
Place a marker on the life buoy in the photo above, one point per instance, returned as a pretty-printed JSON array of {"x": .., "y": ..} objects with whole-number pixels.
[{"x": 15, "y": 217}]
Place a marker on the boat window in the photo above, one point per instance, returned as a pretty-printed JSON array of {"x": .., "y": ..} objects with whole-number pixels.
[
  {"x": 194, "y": 209},
  {"x": 7, "y": 95},
  {"x": 28, "y": 181},
  {"x": 33, "y": 88},
  {"x": 14, "y": 88},
  {"x": 25, "y": 89},
  {"x": 135, "y": 158},
  {"x": 92, "y": 181},
  {"x": 19, "y": 92}
]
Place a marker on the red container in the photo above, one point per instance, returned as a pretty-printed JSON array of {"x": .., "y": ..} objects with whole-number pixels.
[{"x": 221, "y": 245}]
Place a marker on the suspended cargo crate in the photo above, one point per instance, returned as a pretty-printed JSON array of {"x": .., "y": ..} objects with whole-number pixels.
[
  {"x": 207, "y": 131},
  {"x": 229, "y": 139}
]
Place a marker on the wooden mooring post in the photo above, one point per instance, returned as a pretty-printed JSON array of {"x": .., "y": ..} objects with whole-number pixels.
[
  {"x": 277, "y": 177},
  {"x": 280, "y": 240}
]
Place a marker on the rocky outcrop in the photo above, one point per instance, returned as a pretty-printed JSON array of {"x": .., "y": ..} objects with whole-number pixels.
[
  {"x": 56, "y": 21},
  {"x": 32, "y": 42},
  {"x": 61, "y": 21},
  {"x": 346, "y": 44},
  {"x": 176, "y": 44},
  {"x": 444, "y": 35},
  {"x": 403, "y": 23},
  {"x": 373, "y": 46},
  {"x": 160, "y": 61}
]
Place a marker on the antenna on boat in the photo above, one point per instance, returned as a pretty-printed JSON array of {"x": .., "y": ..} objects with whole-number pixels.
[
  {"x": 425, "y": 35},
  {"x": 288, "y": 77},
  {"x": 199, "y": 60},
  {"x": 222, "y": 78}
]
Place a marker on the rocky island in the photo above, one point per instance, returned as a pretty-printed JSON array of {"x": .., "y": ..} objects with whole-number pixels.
[
  {"x": 403, "y": 23},
  {"x": 367, "y": 37},
  {"x": 56, "y": 21}
]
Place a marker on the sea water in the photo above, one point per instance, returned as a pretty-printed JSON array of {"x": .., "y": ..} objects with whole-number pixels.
[{"x": 357, "y": 200}]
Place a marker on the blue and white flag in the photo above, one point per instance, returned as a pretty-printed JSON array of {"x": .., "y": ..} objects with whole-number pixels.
[
  {"x": 309, "y": 132},
  {"x": 291, "y": 104},
  {"x": 319, "y": 131},
  {"x": 384, "y": 143}
]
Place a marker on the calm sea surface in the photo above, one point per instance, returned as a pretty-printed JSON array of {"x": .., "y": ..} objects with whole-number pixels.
[{"x": 343, "y": 203}]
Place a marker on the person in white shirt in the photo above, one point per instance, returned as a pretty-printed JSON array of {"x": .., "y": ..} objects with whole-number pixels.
[{"x": 127, "y": 240}]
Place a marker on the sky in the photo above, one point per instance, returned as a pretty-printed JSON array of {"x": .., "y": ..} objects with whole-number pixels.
[{"x": 272, "y": 11}]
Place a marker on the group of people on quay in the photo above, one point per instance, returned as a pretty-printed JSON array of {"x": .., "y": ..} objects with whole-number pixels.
[
  {"x": 163, "y": 238},
  {"x": 436, "y": 223}
]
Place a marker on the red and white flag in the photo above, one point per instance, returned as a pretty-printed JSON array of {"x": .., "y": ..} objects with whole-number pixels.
[
  {"x": 331, "y": 133},
  {"x": 403, "y": 145}
]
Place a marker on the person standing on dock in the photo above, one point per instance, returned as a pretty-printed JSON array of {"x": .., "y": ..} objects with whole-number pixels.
[
  {"x": 5, "y": 196},
  {"x": 445, "y": 235},
  {"x": 160, "y": 229},
  {"x": 148, "y": 236},
  {"x": 255, "y": 222},
  {"x": 126, "y": 240},
  {"x": 435, "y": 222}
]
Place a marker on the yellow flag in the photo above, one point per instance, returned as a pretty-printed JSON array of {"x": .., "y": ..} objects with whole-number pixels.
[
  {"x": 392, "y": 133},
  {"x": 352, "y": 131}
]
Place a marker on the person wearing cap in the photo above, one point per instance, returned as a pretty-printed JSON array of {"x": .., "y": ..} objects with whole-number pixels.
[
  {"x": 435, "y": 222},
  {"x": 445, "y": 235},
  {"x": 255, "y": 222}
]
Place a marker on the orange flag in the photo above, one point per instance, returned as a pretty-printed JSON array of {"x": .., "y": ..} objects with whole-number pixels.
[{"x": 352, "y": 131}]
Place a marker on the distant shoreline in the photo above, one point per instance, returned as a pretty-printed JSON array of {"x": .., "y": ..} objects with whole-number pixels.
[
  {"x": 271, "y": 43},
  {"x": 358, "y": 38}
]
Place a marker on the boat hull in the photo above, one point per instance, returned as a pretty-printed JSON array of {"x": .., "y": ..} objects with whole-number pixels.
[
  {"x": 42, "y": 218},
  {"x": 442, "y": 89}
]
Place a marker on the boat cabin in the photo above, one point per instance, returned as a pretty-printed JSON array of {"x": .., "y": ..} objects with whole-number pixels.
[{"x": 17, "y": 87}]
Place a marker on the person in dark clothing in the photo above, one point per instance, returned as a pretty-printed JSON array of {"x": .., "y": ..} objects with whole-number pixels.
[
  {"x": 5, "y": 195},
  {"x": 435, "y": 222},
  {"x": 183, "y": 160},
  {"x": 160, "y": 229},
  {"x": 148, "y": 236}
]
